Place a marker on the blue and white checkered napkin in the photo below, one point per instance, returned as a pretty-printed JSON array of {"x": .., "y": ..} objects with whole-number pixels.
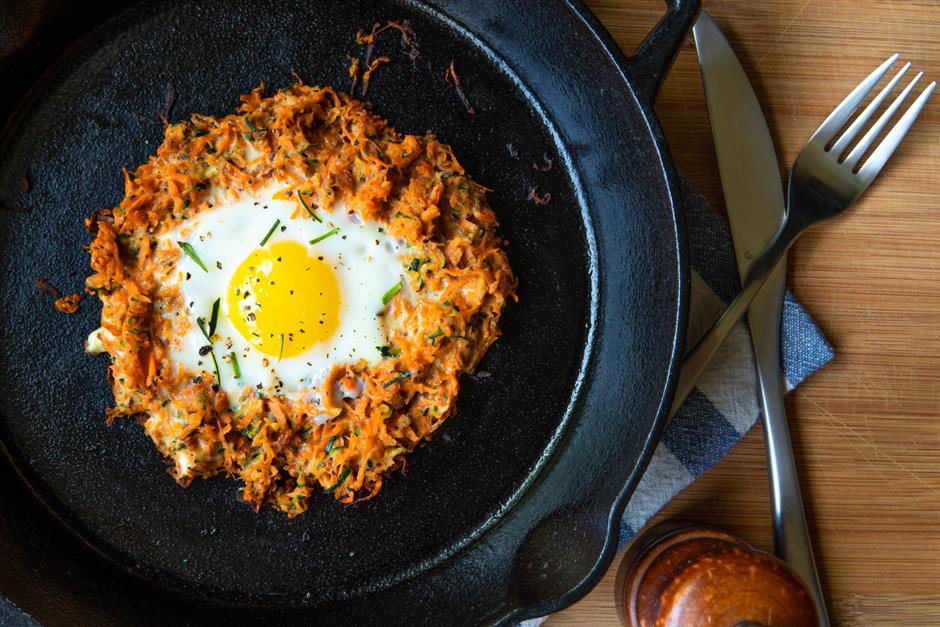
[{"x": 724, "y": 405}]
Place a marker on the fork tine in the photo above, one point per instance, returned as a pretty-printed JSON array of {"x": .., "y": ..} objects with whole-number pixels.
[
  {"x": 843, "y": 142},
  {"x": 847, "y": 107},
  {"x": 893, "y": 139},
  {"x": 865, "y": 143}
]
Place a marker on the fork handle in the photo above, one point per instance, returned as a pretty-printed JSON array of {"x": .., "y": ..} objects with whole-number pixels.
[{"x": 697, "y": 359}]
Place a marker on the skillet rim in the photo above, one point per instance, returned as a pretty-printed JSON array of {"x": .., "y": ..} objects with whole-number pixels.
[{"x": 625, "y": 64}]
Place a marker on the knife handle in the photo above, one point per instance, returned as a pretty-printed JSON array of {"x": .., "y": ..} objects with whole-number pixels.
[{"x": 791, "y": 535}]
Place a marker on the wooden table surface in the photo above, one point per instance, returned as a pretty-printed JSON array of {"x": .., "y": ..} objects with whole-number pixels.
[{"x": 866, "y": 428}]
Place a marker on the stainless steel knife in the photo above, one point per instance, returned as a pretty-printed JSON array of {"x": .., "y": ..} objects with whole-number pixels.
[{"x": 750, "y": 179}]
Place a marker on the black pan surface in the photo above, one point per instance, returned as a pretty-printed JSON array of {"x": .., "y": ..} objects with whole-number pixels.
[{"x": 511, "y": 509}]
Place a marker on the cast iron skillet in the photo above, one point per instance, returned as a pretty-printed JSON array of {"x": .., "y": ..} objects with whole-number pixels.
[{"x": 512, "y": 510}]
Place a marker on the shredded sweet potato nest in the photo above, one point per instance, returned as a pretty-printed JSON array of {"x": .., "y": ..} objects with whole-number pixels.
[{"x": 330, "y": 148}]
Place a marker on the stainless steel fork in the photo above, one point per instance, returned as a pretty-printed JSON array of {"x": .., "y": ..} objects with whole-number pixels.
[{"x": 822, "y": 185}]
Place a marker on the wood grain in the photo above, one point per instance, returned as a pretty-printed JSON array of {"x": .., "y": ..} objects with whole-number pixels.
[{"x": 867, "y": 428}]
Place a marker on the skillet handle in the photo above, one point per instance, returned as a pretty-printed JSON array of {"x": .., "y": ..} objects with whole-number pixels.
[{"x": 647, "y": 67}]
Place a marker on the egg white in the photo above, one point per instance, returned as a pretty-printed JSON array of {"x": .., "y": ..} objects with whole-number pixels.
[{"x": 365, "y": 260}]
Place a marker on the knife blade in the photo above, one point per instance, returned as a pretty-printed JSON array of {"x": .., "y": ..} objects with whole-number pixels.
[{"x": 750, "y": 180}]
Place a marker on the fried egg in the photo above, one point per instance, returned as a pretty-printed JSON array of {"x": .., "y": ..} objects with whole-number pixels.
[{"x": 270, "y": 298}]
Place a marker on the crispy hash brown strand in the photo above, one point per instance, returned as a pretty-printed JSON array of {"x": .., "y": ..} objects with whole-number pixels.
[{"x": 325, "y": 148}]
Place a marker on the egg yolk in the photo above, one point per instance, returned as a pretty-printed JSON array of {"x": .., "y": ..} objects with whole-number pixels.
[{"x": 282, "y": 300}]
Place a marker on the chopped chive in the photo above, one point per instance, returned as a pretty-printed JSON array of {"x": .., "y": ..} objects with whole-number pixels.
[
  {"x": 339, "y": 482},
  {"x": 215, "y": 365},
  {"x": 201, "y": 322},
  {"x": 214, "y": 319},
  {"x": 324, "y": 236},
  {"x": 235, "y": 369},
  {"x": 191, "y": 253},
  {"x": 433, "y": 336},
  {"x": 253, "y": 128},
  {"x": 387, "y": 351},
  {"x": 416, "y": 264},
  {"x": 390, "y": 294},
  {"x": 313, "y": 215},
  {"x": 400, "y": 377},
  {"x": 281, "y": 352},
  {"x": 329, "y": 444},
  {"x": 276, "y": 224}
]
